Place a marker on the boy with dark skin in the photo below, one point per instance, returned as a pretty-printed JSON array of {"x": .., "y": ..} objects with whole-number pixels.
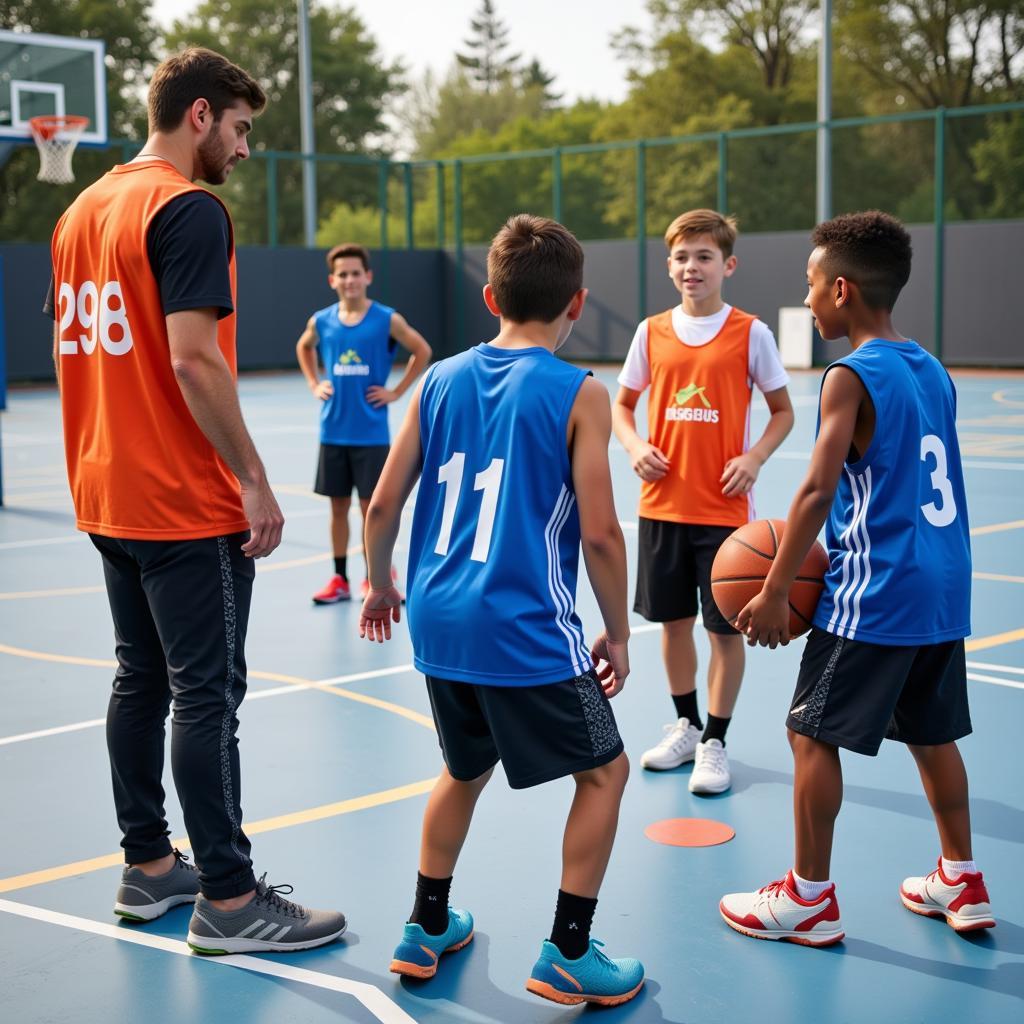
[{"x": 903, "y": 676}]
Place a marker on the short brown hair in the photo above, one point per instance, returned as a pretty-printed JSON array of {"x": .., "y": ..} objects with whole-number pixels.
[
  {"x": 703, "y": 222},
  {"x": 197, "y": 73},
  {"x": 348, "y": 249},
  {"x": 534, "y": 267},
  {"x": 871, "y": 249}
]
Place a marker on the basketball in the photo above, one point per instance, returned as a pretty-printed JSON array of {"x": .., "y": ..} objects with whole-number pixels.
[{"x": 743, "y": 561}]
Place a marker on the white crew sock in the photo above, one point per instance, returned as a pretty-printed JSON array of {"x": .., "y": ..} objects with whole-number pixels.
[
  {"x": 953, "y": 869},
  {"x": 810, "y": 891}
]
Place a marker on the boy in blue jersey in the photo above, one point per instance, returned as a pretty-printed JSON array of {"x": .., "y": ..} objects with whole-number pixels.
[
  {"x": 885, "y": 658},
  {"x": 355, "y": 338},
  {"x": 510, "y": 446}
]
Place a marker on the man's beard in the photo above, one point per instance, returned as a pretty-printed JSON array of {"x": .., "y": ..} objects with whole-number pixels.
[{"x": 214, "y": 165}]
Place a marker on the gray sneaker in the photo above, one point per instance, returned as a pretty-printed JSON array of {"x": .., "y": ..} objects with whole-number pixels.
[
  {"x": 268, "y": 923},
  {"x": 142, "y": 897}
]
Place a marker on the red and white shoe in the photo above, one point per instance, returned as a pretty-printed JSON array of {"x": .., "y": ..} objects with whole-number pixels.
[
  {"x": 777, "y": 912},
  {"x": 963, "y": 902},
  {"x": 337, "y": 589}
]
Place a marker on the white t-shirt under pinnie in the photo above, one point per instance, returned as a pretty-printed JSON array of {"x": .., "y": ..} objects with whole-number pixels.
[{"x": 764, "y": 367}]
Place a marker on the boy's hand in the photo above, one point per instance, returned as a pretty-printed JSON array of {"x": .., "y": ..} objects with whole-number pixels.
[
  {"x": 765, "y": 620},
  {"x": 323, "y": 390},
  {"x": 378, "y": 396},
  {"x": 611, "y": 663},
  {"x": 740, "y": 473},
  {"x": 649, "y": 463},
  {"x": 379, "y": 610}
]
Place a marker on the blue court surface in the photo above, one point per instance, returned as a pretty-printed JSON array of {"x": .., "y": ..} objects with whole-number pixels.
[{"x": 338, "y": 754}]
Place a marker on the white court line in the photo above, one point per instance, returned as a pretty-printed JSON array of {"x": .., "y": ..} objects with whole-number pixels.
[
  {"x": 967, "y": 463},
  {"x": 386, "y": 1011},
  {"x": 277, "y": 691},
  {"x": 996, "y": 668},
  {"x": 995, "y": 681},
  {"x": 42, "y": 541}
]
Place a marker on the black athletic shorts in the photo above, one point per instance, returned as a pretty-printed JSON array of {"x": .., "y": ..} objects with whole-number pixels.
[
  {"x": 853, "y": 694},
  {"x": 539, "y": 733},
  {"x": 674, "y": 565},
  {"x": 342, "y": 467}
]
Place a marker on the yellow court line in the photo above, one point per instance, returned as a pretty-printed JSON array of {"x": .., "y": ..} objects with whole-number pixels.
[
  {"x": 359, "y": 803},
  {"x": 998, "y": 577},
  {"x": 1016, "y": 524},
  {"x": 983, "y": 643},
  {"x": 62, "y": 592},
  {"x": 61, "y": 659}
]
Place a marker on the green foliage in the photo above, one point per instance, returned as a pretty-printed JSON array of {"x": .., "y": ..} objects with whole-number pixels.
[
  {"x": 352, "y": 86},
  {"x": 999, "y": 158}
]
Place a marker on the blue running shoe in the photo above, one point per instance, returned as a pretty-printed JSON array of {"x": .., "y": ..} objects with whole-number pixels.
[
  {"x": 418, "y": 953},
  {"x": 593, "y": 978}
]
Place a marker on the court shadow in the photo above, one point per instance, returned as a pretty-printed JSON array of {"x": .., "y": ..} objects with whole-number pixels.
[
  {"x": 1005, "y": 978},
  {"x": 990, "y": 818},
  {"x": 1006, "y": 937}
]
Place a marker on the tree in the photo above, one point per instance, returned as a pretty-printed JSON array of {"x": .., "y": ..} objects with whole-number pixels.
[
  {"x": 535, "y": 76},
  {"x": 489, "y": 66},
  {"x": 352, "y": 86},
  {"x": 29, "y": 210}
]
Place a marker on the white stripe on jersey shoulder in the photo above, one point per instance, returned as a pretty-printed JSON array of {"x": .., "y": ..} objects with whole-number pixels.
[
  {"x": 556, "y": 585},
  {"x": 856, "y": 561}
]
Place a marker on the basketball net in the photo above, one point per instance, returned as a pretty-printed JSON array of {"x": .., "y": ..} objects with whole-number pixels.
[{"x": 56, "y": 136}]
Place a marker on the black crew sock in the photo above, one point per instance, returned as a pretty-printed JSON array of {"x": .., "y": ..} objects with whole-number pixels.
[
  {"x": 340, "y": 562},
  {"x": 686, "y": 707},
  {"x": 715, "y": 729},
  {"x": 430, "y": 911},
  {"x": 571, "y": 930}
]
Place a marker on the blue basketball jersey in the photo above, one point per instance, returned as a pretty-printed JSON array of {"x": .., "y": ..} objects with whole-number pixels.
[
  {"x": 355, "y": 358},
  {"x": 898, "y": 539},
  {"x": 495, "y": 542}
]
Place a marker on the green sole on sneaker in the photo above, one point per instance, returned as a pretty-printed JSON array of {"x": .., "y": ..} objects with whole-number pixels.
[{"x": 225, "y": 947}]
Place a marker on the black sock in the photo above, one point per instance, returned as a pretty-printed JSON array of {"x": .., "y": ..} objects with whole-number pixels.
[
  {"x": 571, "y": 930},
  {"x": 686, "y": 707},
  {"x": 716, "y": 729},
  {"x": 340, "y": 566},
  {"x": 430, "y": 911}
]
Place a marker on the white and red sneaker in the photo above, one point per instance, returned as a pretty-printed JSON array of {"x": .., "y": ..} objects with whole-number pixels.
[
  {"x": 777, "y": 912},
  {"x": 337, "y": 589},
  {"x": 963, "y": 901}
]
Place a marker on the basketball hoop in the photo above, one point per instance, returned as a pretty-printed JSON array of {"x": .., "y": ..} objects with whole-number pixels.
[{"x": 56, "y": 136}]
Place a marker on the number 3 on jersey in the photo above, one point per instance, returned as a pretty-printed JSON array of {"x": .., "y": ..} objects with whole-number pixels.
[
  {"x": 488, "y": 481},
  {"x": 97, "y": 315},
  {"x": 944, "y": 514}
]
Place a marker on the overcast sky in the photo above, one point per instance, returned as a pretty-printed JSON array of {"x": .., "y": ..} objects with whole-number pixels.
[{"x": 569, "y": 37}]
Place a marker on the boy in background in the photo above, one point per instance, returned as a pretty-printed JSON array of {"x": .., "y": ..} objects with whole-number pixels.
[
  {"x": 355, "y": 338},
  {"x": 510, "y": 446},
  {"x": 700, "y": 360},
  {"x": 885, "y": 658}
]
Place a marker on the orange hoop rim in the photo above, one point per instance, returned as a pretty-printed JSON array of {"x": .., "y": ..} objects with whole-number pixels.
[{"x": 45, "y": 126}]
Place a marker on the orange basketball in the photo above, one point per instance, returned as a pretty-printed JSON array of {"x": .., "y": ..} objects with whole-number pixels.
[{"x": 743, "y": 561}]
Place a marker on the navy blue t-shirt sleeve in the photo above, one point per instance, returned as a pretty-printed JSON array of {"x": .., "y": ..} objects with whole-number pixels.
[{"x": 189, "y": 248}]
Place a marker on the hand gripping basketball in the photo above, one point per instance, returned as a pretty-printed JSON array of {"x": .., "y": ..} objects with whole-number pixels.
[{"x": 380, "y": 609}]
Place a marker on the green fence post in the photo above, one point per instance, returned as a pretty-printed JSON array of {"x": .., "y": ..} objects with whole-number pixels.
[
  {"x": 440, "y": 204},
  {"x": 410, "y": 237},
  {"x": 641, "y": 228},
  {"x": 383, "y": 166},
  {"x": 272, "y": 200},
  {"x": 556, "y": 183},
  {"x": 460, "y": 313},
  {"x": 940, "y": 224},
  {"x": 723, "y": 172}
]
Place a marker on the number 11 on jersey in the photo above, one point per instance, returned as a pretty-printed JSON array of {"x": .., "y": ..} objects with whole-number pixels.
[{"x": 488, "y": 481}]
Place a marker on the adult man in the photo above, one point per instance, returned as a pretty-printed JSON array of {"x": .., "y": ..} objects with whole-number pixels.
[{"x": 170, "y": 488}]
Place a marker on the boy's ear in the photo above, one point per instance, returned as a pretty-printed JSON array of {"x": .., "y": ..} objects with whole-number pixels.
[
  {"x": 730, "y": 266},
  {"x": 841, "y": 292},
  {"x": 575, "y": 310},
  {"x": 489, "y": 300},
  {"x": 369, "y": 277}
]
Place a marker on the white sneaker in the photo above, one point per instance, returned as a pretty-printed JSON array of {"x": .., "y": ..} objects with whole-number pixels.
[
  {"x": 676, "y": 747},
  {"x": 962, "y": 901},
  {"x": 777, "y": 912},
  {"x": 710, "y": 768}
]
